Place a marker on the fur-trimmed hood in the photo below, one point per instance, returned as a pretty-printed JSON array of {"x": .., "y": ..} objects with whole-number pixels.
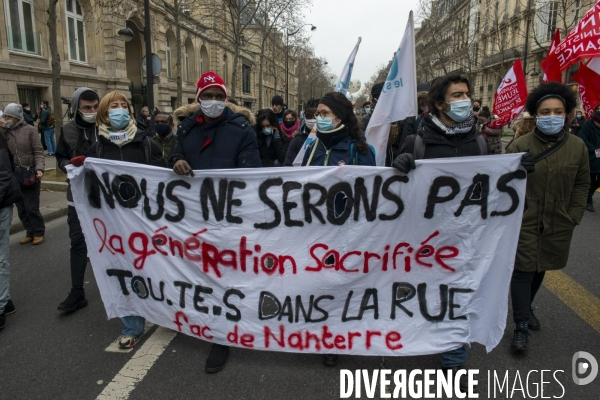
[{"x": 185, "y": 111}]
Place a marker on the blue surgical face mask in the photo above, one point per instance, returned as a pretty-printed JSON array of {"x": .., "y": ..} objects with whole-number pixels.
[
  {"x": 459, "y": 110},
  {"x": 325, "y": 124},
  {"x": 267, "y": 131},
  {"x": 550, "y": 124},
  {"x": 119, "y": 117},
  {"x": 367, "y": 111}
]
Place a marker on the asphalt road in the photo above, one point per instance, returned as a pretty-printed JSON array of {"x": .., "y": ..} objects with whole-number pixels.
[{"x": 48, "y": 355}]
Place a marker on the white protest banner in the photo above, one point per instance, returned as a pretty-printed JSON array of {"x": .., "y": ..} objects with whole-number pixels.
[
  {"x": 348, "y": 260},
  {"x": 342, "y": 87},
  {"x": 398, "y": 99},
  {"x": 510, "y": 97}
]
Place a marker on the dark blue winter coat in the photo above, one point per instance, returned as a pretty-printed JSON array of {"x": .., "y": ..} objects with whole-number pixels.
[
  {"x": 229, "y": 142},
  {"x": 339, "y": 150}
]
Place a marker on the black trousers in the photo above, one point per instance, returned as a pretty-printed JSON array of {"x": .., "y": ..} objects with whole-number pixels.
[
  {"x": 523, "y": 287},
  {"x": 78, "y": 249},
  {"x": 595, "y": 184},
  {"x": 29, "y": 212}
]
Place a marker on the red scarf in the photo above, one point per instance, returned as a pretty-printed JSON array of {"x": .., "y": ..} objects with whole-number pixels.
[{"x": 290, "y": 131}]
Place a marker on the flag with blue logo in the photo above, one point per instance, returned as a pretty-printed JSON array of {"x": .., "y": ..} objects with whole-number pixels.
[
  {"x": 398, "y": 99},
  {"x": 342, "y": 87}
]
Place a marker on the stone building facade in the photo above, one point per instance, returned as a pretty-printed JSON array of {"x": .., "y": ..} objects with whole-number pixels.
[
  {"x": 92, "y": 54},
  {"x": 483, "y": 38}
]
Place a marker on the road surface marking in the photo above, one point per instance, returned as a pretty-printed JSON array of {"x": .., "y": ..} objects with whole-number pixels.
[
  {"x": 575, "y": 296},
  {"x": 138, "y": 366},
  {"x": 114, "y": 346}
]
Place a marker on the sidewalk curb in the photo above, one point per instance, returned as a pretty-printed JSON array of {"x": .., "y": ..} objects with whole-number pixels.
[
  {"x": 52, "y": 215},
  {"x": 56, "y": 186}
]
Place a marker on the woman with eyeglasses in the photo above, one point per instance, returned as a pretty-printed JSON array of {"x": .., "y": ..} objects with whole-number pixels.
[
  {"x": 272, "y": 143},
  {"x": 339, "y": 138}
]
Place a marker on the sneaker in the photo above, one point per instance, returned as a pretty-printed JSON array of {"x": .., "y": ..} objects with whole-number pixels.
[
  {"x": 217, "y": 357},
  {"x": 26, "y": 240},
  {"x": 464, "y": 380},
  {"x": 128, "y": 341},
  {"x": 520, "y": 339},
  {"x": 9, "y": 308},
  {"x": 2, "y": 320},
  {"x": 38, "y": 240},
  {"x": 533, "y": 322},
  {"x": 74, "y": 301},
  {"x": 331, "y": 360}
]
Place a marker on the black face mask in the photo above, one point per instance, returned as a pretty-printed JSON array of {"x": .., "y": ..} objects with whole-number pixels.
[
  {"x": 162, "y": 129},
  {"x": 289, "y": 124},
  {"x": 476, "y": 109}
]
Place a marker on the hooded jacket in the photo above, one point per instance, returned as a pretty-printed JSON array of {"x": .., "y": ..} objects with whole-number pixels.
[
  {"x": 75, "y": 138},
  {"x": 25, "y": 146},
  {"x": 10, "y": 192},
  {"x": 555, "y": 201},
  {"x": 442, "y": 145},
  {"x": 229, "y": 142}
]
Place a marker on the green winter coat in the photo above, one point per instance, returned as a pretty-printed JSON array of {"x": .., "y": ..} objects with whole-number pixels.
[
  {"x": 590, "y": 133},
  {"x": 554, "y": 202}
]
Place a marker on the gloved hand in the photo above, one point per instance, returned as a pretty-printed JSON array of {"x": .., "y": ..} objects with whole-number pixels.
[
  {"x": 528, "y": 162},
  {"x": 77, "y": 161},
  {"x": 404, "y": 163}
]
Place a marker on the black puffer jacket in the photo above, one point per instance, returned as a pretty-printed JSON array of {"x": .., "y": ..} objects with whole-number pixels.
[
  {"x": 130, "y": 152},
  {"x": 10, "y": 192},
  {"x": 439, "y": 144},
  {"x": 296, "y": 144},
  {"x": 229, "y": 142}
]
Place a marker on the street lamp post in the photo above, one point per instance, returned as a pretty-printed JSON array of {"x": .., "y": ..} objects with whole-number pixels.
[
  {"x": 287, "y": 56},
  {"x": 127, "y": 35}
]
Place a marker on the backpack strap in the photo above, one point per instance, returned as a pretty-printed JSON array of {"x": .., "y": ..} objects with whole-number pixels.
[
  {"x": 173, "y": 144},
  {"x": 146, "y": 145},
  {"x": 551, "y": 150},
  {"x": 419, "y": 148},
  {"x": 482, "y": 145},
  {"x": 352, "y": 154},
  {"x": 311, "y": 151}
]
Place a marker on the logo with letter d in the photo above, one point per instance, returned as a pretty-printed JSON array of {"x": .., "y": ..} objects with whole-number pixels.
[{"x": 582, "y": 367}]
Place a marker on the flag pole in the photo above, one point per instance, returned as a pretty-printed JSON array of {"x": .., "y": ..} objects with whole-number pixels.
[{"x": 412, "y": 23}]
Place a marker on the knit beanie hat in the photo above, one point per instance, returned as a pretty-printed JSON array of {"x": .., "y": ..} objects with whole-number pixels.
[
  {"x": 277, "y": 101},
  {"x": 14, "y": 110},
  {"x": 336, "y": 107},
  {"x": 208, "y": 80}
]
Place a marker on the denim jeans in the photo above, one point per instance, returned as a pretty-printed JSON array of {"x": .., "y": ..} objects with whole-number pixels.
[
  {"x": 132, "y": 325},
  {"x": 454, "y": 358},
  {"x": 50, "y": 141},
  {"x": 5, "y": 219}
]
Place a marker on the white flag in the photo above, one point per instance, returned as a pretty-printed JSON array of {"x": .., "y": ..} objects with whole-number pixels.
[
  {"x": 398, "y": 99},
  {"x": 342, "y": 87}
]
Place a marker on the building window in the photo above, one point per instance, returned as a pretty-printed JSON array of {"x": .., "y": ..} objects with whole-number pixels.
[
  {"x": 225, "y": 69},
  {"x": 168, "y": 55},
  {"x": 204, "y": 60},
  {"x": 546, "y": 18},
  {"x": 246, "y": 78},
  {"x": 76, "y": 31},
  {"x": 20, "y": 26}
]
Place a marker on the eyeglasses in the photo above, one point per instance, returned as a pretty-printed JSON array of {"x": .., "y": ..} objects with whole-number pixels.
[{"x": 323, "y": 113}]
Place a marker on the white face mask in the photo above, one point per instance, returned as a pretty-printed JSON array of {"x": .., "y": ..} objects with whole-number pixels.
[
  {"x": 212, "y": 108},
  {"x": 9, "y": 124},
  {"x": 310, "y": 123},
  {"x": 90, "y": 118}
]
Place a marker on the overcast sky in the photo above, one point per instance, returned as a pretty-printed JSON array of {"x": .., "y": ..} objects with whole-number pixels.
[{"x": 339, "y": 23}]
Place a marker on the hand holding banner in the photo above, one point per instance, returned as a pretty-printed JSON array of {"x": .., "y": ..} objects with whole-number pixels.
[{"x": 511, "y": 96}]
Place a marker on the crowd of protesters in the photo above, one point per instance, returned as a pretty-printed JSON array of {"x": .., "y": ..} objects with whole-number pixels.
[{"x": 216, "y": 133}]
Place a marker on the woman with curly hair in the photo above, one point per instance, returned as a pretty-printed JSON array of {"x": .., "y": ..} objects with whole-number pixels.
[
  {"x": 554, "y": 201},
  {"x": 339, "y": 138},
  {"x": 272, "y": 144}
]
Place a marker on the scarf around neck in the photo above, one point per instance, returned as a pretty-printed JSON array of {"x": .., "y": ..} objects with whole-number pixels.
[
  {"x": 290, "y": 131},
  {"x": 130, "y": 129},
  {"x": 461, "y": 127}
]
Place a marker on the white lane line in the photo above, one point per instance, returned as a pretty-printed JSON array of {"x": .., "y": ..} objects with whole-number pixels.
[
  {"x": 114, "y": 346},
  {"x": 138, "y": 366}
]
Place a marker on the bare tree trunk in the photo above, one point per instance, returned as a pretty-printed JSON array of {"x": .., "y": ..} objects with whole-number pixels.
[
  {"x": 55, "y": 57},
  {"x": 234, "y": 74},
  {"x": 261, "y": 84},
  {"x": 178, "y": 51}
]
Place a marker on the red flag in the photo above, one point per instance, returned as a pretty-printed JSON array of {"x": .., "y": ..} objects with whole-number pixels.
[
  {"x": 550, "y": 65},
  {"x": 588, "y": 78},
  {"x": 510, "y": 97},
  {"x": 582, "y": 42}
]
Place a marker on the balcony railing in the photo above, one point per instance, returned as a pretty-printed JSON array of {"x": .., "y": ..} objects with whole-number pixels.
[
  {"x": 23, "y": 41},
  {"x": 506, "y": 55}
]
